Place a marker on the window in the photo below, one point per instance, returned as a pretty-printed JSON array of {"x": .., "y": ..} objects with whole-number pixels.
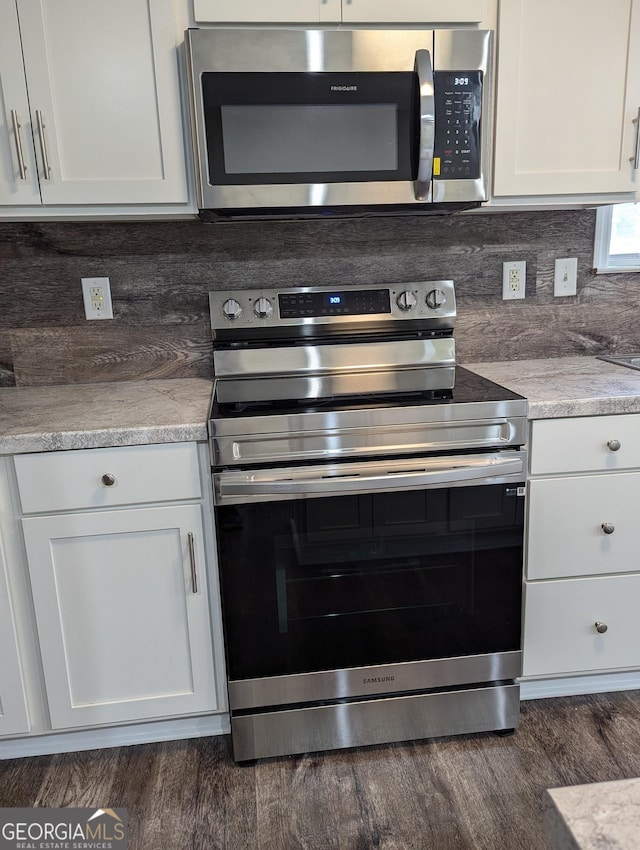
[{"x": 617, "y": 247}]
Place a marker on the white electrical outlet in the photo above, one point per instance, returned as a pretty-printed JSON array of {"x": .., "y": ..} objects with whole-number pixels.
[
  {"x": 96, "y": 294},
  {"x": 514, "y": 277},
  {"x": 565, "y": 277}
]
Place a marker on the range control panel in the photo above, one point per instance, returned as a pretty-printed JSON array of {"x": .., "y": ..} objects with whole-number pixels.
[
  {"x": 252, "y": 308},
  {"x": 458, "y": 99},
  {"x": 356, "y": 302}
]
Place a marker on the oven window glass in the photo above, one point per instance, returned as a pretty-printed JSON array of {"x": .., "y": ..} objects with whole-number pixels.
[
  {"x": 319, "y": 138},
  {"x": 323, "y": 127},
  {"x": 328, "y": 583}
]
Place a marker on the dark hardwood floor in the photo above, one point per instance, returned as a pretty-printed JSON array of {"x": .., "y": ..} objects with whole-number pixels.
[{"x": 476, "y": 791}]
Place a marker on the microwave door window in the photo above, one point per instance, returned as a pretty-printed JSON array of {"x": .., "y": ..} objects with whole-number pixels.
[
  {"x": 309, "y": 139},
  {"x": 310, "y": 127}
]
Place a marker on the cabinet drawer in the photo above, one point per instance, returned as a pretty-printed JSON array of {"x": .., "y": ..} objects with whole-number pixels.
[
  {"x": 560, "y": 634},
  {"x": 565, "y": 534},
  {"x": 583, "y": 444},
  {"x": 58, "y": 481}
]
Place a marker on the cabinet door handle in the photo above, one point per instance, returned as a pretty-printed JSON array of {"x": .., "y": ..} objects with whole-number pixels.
[
  {"x": 43, "y": 145},
  {"x": 108, "y": 479},
  {"x": 635, "y": 159},
  {"x": 608, "y": 527},
  {"x": 601, "y": 628},
  {"x": 192, "y": 561},
  {"x": 16, "y": 132},
  {"x": 614, "y": 445}
]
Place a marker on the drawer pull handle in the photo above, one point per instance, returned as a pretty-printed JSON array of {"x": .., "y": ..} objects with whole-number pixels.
[
  {"x": 608, "y": 527},
  {"x": 601, "y": 628},
  {"x": 614, "y": 445},
  {"x": 192, "y": 560},
  {"x": 108, "y": 479}
]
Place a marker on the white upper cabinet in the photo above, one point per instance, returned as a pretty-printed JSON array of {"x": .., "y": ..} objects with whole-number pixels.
[
  {"x": 18, "y": 175},
  {"x": 259, "y": 11},
  {"x": 413, "y": 11},
  {"x": 567, "y": 95},
  {"x": 103, "y": 89},
  {"x": 336, "y": 11}
]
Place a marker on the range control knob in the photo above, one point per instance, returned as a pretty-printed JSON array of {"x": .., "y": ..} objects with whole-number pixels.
[
  {"x": 262, "y": 308},
  {"x": 406, "y": 300},
  {"x": 231, "y": 309},
  {"x": 436, "y": 298}
]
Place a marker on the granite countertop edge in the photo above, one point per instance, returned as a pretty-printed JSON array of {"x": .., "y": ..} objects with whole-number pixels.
[
  {"x": 128, "y": 413},
  {"x": 104, "y": 415},
  {"x": 567, "y": 386}
]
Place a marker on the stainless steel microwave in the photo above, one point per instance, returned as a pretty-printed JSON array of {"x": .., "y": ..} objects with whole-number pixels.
[{"x": 339, "y": 121}]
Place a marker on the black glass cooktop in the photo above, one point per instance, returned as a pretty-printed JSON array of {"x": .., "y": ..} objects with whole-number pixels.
[{"x": 469, "y": 388}]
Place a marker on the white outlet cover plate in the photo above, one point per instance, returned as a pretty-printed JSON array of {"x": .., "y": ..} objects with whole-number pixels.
[
  {"x": 91, "y": 310},
  {"x": 519, "y": 269}
]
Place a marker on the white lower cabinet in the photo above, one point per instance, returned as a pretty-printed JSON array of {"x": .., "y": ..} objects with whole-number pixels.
[
  {"x": 584, "y": 625},
  {"x": 112, "y": 569},
  {"x": 13, "y": 703},
  {"x": 582, "y": 589},
  {"x": 122, "y": 610}
]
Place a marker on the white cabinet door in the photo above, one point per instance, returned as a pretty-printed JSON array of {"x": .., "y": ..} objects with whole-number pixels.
[
  {"x": 568, "y": 92},
  {"x": 560, "y": 635},
  {"x": 413, "y": 11},
  {"x": 583, "y": 525},
  {"x": 259, "y": 11},
  {"x": 13, "y": 705},
  {"x": 104, "y": 97},
  {"x": 18, "y": 175},
  {"x": 124, "y": 633}
]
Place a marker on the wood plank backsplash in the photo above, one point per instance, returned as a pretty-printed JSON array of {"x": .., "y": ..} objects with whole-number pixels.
[{"x": 161, "y": 273}]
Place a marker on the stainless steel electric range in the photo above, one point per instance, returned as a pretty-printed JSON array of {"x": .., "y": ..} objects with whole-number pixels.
[{"x": 369, "y": 500}]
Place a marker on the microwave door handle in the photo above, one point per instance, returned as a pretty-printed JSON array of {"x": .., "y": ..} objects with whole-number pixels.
[
  {"x": 469, "y": 470},
  {"x": 424, "y": 72}
]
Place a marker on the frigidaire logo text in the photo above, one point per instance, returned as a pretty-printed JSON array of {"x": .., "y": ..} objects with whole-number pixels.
[
  {"x": 378, "y": 680},
  {"x": 344, "y": 88}
]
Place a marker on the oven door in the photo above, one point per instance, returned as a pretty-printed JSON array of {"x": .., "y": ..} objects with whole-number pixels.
[{"x": 362, "y": 566}]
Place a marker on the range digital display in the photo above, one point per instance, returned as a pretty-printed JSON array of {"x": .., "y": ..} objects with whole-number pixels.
[{"x": 355, "y": 302}]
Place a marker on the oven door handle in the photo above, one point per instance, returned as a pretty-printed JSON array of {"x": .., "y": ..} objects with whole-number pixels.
[{"x": 257, "y": 485}]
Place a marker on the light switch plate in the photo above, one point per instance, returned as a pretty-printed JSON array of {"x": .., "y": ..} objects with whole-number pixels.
[{"x": 565, "y": 277}]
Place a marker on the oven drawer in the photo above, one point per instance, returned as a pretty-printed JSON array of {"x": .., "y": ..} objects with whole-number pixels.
[
  {"x": 585, "y": 444},
  {"x": 378, "y": 721},
  {"x": 597, "y": 534},
  {"x": 90, "y": 478},
  {"x": 561, "y": 636}
]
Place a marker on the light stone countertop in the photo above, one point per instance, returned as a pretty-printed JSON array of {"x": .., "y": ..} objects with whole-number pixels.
[
  {"x": 567, "y": 386},
  {"x": 601, "y": 816},
  {"x": 78, "y": 416},
  {"x": 81, "y": 416}
]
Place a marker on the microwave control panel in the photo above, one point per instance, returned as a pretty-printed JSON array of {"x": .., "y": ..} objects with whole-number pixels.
[{"x": 458, "y": 100}]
